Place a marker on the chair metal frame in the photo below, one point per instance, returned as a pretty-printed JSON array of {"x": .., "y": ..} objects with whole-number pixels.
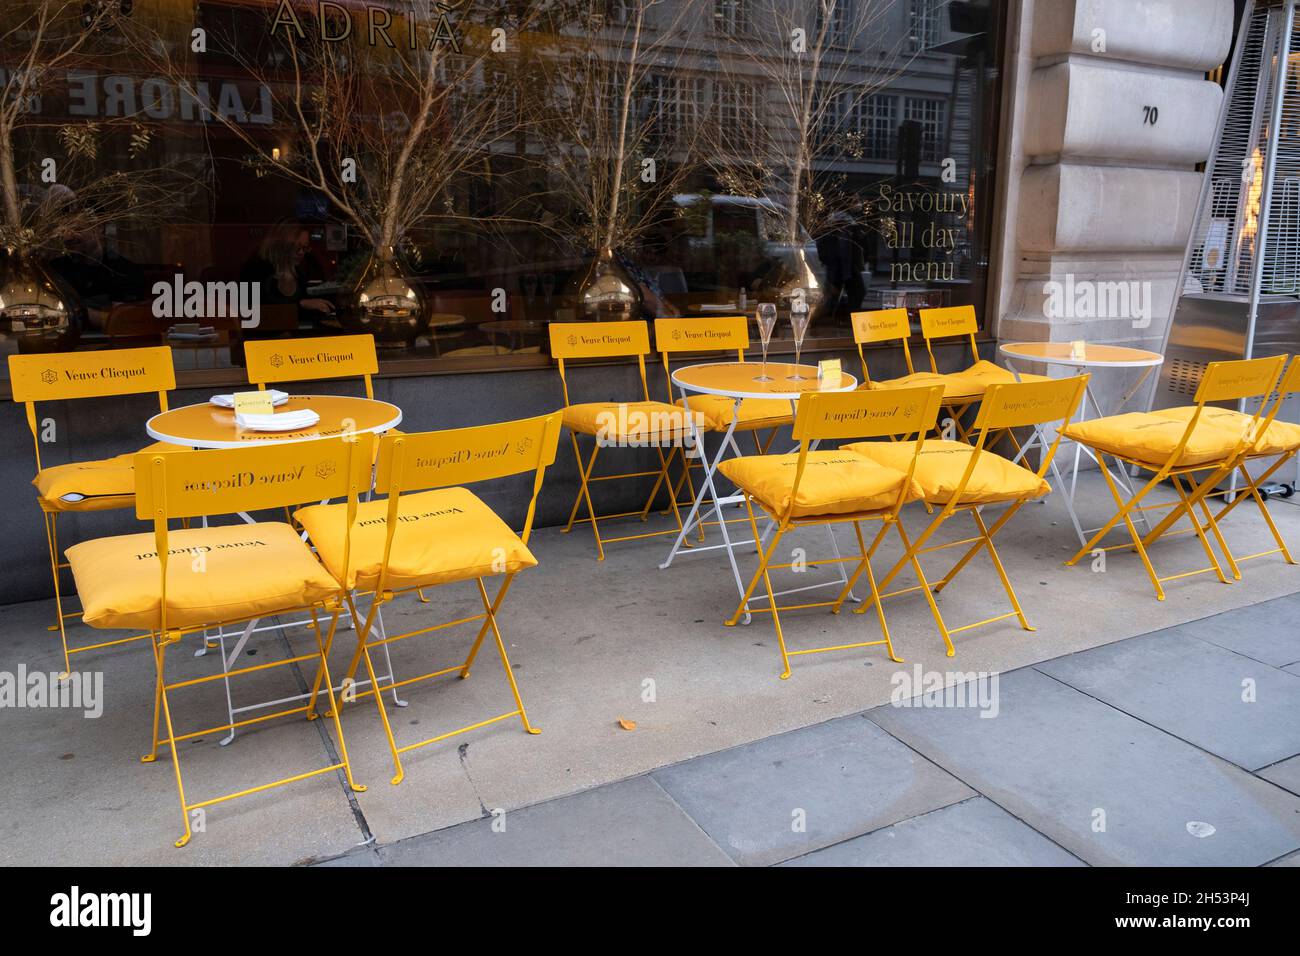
[
  {"x": 179, "y": 485},
  {"x": 1004, "y": 407},
  {"x": 61, "y": 376},
  {"x": 1228, "y": 381},
  {"x": 832, "y": 416},
  {"x": 327, "y": 357},
  {"x": 443, "y": 459},
  {"x": 593, "y": 340}
]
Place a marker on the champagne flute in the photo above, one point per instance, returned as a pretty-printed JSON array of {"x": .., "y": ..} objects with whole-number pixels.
[
  {"x": 766, "y": 323},
  {"x": 799, "y": 316}
]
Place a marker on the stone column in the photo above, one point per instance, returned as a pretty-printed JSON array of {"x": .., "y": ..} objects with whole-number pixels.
[{"x": 1112, "y": 115}]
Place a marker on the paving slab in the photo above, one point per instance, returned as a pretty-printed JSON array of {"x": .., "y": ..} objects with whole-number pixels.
[
  {"x": 784, "y": 796},
  {"x": 1291, "y": 859},
  {"x": 1264, "y": 631},
  {"x": 1234, "y": 706},
  {"x": 631, "y": 823},
  {"x": 1292, "y": 668},
  {"x": 1107, "y": 787},
  {"x": 976, "y": 832},
  {"x": 1285, "y": 774}
]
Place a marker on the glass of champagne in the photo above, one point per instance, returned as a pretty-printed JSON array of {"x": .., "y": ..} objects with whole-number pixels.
[
  {"x": 766, "y": 323},
  {"x": 799, "y": 316}
]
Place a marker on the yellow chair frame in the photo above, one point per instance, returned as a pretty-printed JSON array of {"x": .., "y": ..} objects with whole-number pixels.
[
  {"x": 1228, "y": 381},
  {"x": 948, "y": 322},
  {"x": 831, "y": 416},
  {"x": 179, "y": 485},
  {"x": 587, "y": 340},
  {"x": 442, "y": 459},
  {"x": 1004, "y": 407},
  {"x": 882, "y": 325},
  {"x": 58, "y": 376}
]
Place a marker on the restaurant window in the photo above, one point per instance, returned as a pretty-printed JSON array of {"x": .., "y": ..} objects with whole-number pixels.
[{"x": 159, "y": 183}]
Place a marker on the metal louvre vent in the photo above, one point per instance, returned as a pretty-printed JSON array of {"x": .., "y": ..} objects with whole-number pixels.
[{"x": 1183, "y": 377}]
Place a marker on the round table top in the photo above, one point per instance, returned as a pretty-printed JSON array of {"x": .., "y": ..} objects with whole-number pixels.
[
  {"x": 442, "y": 320},
  {"x": 1063, "y": 353},
  {"x": 736, "y": 380},
  {"x": 209, "y": 426}
]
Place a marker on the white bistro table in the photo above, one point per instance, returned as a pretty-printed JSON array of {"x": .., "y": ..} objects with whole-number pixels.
[
  {"x": 737, "y": 381},
  {"x": 1083, "y": 356}
]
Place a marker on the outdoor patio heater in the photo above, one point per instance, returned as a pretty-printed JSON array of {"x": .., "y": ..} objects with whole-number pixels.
[{"x": 1240, "y": 280}]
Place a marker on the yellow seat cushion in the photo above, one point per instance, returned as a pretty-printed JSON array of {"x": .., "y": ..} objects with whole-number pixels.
[
  {"x": 1151, "y": 439},
  {"x": 639, "y": 422},
  {"x": 942, "y": 463},
  {"x": 442, "y": 536},
  {"x": 754, "y": 412},
  {"x": 92, "y": 485},
  {"x": 213, "y": 575},
  {"x": 969, "y": 384},
  {"x": 1279, "y": 438},
  {"x": 833, "y": 483}
]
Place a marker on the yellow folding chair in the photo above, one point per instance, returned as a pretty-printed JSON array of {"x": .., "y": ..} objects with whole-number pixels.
[
  {"x": 1278, "y": 440},
  {"x": 85, "y": 486},
  {"x": 630, "y": 424},
  {"x": 961, "y": 390},
  {"x": 429, "y": 532},
  {"x": 717, "y": 412},
  {"x": 888, "y": 325},
  {"x": 1178, "y": 450},
  {"x": 177, "y": 583},
  {"x": 812, "y": 487},
  {"x": 296, "y": 360},
  {"x": 954, "y": 476}
]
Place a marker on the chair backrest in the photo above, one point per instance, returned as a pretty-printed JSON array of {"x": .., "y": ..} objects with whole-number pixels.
[
  {"x": 882, "y": 325},
  {"x": 882, "y": 413},
  {"x": 462, "y": 456},
  {"x": 946, "y": 322},
  {"x": 191, "y": 484},
  {"x": 1022, "y": 405},
  {"x": 708, "y": 334},
  {"x": 583, "y": 340},
  {"x": 57, "y": 376},
  {"x": 1238, "y": 379},
  {"x": 295, "y": 360}
]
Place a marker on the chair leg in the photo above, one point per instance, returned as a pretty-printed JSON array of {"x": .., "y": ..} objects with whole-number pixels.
[
  {"x": 323, "y": 647},
  {"x": 152, "y": 755},
  {"x": 875, "y": 592},
  {"x": 1253, "y": 484},
  {"x": 482, "y": 631},
  {"x": 160, "y": 652},
  {"x": 1125, "y": 507},
  {"x": 1190, "y": 506},
  {"x": 363, "y": 647},
  {"x": 584, "y": 493},
  {"x": 762, "y": 571},
  {"x": 52, "y": 541},
  {"x": 911, "y": 550},
  {"x": 997, "y": 560},
  {"x": 490, "y": 610},
  {"x": 861, "y": 566}
]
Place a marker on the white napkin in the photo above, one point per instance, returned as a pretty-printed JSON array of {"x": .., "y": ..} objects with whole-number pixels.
[
  {"x": 228, "y": 401},
  {"x": 283, "y": 422}
]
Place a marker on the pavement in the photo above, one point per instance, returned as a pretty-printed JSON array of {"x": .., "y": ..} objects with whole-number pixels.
[{"x": 1122, "y": 731}]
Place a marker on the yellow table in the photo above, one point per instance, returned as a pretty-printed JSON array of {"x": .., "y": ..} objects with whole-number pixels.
[
  {"x": 210, "y": 426},
  {"x": 737, "y": 381},
  {"x": 1083, "y": 356}
]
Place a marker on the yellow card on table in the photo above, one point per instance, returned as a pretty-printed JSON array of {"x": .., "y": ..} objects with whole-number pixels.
[
  {"x": 829, "y": 373},
  {"x": 253, "y": 403}
]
